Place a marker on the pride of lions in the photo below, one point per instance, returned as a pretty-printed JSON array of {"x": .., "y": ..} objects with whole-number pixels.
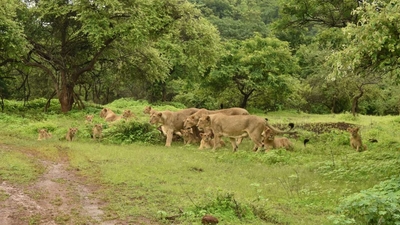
[{"x": 207, "y": 127}]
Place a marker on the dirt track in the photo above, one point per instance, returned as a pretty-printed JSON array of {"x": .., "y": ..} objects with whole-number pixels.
[{"x": 59, "y": 196}]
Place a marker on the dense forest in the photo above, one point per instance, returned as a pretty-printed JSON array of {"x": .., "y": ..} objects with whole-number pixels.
[{"x": 315, "y": 56}]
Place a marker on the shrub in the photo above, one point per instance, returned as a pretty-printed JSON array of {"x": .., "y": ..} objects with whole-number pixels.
[
  {"x": 377, "y": 205},
  {"x": 128, "y": 132}
]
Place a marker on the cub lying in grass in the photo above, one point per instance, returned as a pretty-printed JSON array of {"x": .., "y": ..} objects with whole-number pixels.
[
  {"x": 355, "y": 139},
  {"x": 43, "y": 134},
  {"x": 270, "y": 141}
]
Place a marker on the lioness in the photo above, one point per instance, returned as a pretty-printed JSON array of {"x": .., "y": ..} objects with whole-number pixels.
[
  {"x": 188, "y": 136},
  {"x": 236, "y": 126},
  {"x": 355, "y": 139},
  {"x": 109, "y": 115},
  {"x": 97, "y": 131},
  {"x": 43, "y": 134},
  {"x": 207, "y": 140},
  {"x": 172, "y": 122},
  {"x": 71, "y": 133},
  {"x": 193, "y": 119},
  {"x": 271, "y": 141}
]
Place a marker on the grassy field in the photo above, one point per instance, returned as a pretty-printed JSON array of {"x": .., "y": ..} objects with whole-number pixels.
[{"x": 178, "y": 185}]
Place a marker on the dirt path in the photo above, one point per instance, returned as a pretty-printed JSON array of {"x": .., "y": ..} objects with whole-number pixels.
[{"x": 58, "y": 197}]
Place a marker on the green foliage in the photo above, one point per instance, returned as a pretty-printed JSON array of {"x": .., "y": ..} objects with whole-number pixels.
[
  {"x": 255, "y": 64},
  {"x": 225, "y": 207},
  {"x": 377, "y": 205},
  {"x": 132, "y": 131}
]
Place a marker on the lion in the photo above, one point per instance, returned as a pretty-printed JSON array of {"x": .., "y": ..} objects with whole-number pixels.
[
  {"x": 89, "y": 118},
  {"x": 128, "y": 114},
  {"x": 207, "y": 140},
  {"x": 355, "y": 139},
  {"x": 43, "y": 134},
  {"x": 236, "y": 126},
  {"x": 148, "y": 110},
  {"x": 97, "y": 131},
  {"x": 171, "y": 122},
  {"x": 188, "y": 136},
  {"x": 109, "y": 115},
  {"x": 271, "y": 141},
  {"x": 192, "y": 120},
  {"x": 71, "y": 133}
]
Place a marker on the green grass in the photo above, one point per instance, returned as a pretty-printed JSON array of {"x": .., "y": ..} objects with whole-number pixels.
[{"x": 150, "y": 180}]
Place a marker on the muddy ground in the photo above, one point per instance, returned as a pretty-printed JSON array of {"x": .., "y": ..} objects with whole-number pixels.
[{"x": 59, "y": 196}]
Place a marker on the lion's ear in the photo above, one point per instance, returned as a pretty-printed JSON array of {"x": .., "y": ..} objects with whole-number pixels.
[
  {"x": 159, "y": 114},
  {"x": 208, "y": 118}
]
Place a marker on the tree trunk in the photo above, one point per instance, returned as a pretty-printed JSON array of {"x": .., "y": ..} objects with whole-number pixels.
[
  {"x": 245, "y": 100},
  {"x": 354, "y": 105},
  {"x": 66, "y": 97}
]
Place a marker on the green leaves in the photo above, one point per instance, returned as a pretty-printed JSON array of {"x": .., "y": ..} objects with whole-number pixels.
[
  {"x": 378, "y": 205},
  {"x": 255, "y": 64}
]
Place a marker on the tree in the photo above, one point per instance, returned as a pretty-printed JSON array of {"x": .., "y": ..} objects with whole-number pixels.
[
  {"x": 68, "y": 38},
  {"x": 239, "y": 19},
  {"x": 372, "y": 51},
  {"x": 253, "y": 65}
]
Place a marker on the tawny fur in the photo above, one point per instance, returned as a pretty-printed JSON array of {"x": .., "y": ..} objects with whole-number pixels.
[
  {"x": 128, "y": 114},
  {"x": 97, "y": 131},
  {"x": 189, "y": 137},
  {"x": 355, "y": 139},
  {"x": 71, "y": 133},
  {"x": 43, "y": 134},
  {"x": 272, "y": 142},
  {"x": 193, "y": 119},
  {"x": 109, "y": 115},
  {"x": 207, "y": 140},
  {"x": 172, "y": 122},
  {"x": 89, "y": 118},
  {"x": 236, "y": 126},
  {"x": 148, "y": 110}
]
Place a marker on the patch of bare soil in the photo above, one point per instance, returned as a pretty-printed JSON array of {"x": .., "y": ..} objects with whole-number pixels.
[
  {"x": 319, "y": 128},
  {"x": 59, "y": 196}
]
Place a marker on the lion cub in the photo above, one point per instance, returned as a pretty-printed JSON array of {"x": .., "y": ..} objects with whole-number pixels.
[
  {"x": 89, "y": 118},
  {"x": 97, "y": 131},
  {"x": 270, "y": 141},
  {"x": 43, "y": 134},
  {"x": 71, "y": 133},
  {"x": 188, "y": 136},
  {"x": 207, "y": 140},
  {"x": 355, "y": 139},
  {"x": 128, "y": 114}
]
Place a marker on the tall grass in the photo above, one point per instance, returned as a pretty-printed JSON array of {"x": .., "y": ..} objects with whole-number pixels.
[{"x": 139, "y": 179}]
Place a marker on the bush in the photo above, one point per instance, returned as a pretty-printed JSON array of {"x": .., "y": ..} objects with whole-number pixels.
[
  {"x": 378, "y": 205},
  {"x": 128, "y": 132}
]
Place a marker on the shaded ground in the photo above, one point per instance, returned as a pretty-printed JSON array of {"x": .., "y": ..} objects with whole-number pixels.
[
  {"x": 318, "y": 128},
  {"x": 59, "y": 196}
]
